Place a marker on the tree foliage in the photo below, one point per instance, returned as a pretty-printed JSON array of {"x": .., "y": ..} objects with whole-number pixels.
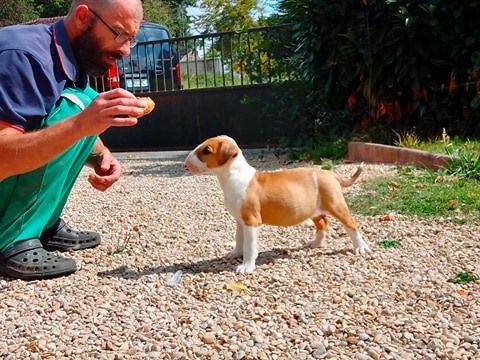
[
  {"x": 394, "y": 62},
  {"x": 170, "y": 13},
  {"x": 52, "y": 8},
  {"x": 16, "y": 11},
  {"x": 225, "y": 15}
]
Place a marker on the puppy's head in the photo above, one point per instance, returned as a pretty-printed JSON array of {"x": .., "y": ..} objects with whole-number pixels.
[{"x": 211, "y": 155}]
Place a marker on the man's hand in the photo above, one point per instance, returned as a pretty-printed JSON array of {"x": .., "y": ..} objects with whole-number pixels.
[
  {"x": 107, "y": 170},
  {"x": 114, "y": 108}
]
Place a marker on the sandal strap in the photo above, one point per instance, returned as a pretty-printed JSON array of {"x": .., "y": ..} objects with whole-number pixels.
[
  {"x": 59, "y": 224},
  {"x": 21, "y": 247}
]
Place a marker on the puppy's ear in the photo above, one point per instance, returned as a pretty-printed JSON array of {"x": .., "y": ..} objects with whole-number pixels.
[{"x": 225, "y": 152}]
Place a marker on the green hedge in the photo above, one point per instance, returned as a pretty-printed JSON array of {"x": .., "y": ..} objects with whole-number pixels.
[{"x": 395, "y": 64}]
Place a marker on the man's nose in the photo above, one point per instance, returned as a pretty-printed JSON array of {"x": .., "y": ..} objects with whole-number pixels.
[{"x": 125, "y": 48}]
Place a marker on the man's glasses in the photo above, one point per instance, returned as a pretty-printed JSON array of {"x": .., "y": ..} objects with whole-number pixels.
[{"x": 119, "y": 37}]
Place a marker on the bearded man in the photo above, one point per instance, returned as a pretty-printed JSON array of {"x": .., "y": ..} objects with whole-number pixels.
[{"x": 50, "y": 122}]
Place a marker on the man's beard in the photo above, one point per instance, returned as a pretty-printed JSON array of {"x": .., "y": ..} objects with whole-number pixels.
[{"x": 87, "y": 50}]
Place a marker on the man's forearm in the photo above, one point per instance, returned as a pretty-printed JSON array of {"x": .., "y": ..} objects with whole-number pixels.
[{"x": 24, "y": 152}]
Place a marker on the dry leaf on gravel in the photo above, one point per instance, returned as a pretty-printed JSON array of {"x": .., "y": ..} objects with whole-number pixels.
[{"x": 235, "y": 286}]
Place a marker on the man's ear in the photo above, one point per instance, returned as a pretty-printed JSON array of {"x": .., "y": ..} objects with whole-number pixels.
[
  {"x": 225, "y": 152},
  {"x": 82, "y": 17}
]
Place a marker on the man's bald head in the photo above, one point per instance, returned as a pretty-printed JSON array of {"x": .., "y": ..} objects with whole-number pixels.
[{"x": 106, "y": 5}]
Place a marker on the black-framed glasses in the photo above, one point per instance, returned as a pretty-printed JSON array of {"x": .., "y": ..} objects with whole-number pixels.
[{"x": 119, "y": 37}]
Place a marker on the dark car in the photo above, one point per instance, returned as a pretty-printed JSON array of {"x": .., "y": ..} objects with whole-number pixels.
[{"x": 152, "y": 65}]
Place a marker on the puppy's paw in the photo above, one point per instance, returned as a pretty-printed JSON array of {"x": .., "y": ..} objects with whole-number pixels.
[
  {"x": 312, "y": 244},
  {"x": 361, "y": 248},
  {"x": 234, "y": 254},
  {"x": 245, "y": 268}
]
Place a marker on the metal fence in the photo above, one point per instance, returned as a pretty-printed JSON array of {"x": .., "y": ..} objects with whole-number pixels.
[{"x": 250, "y": 57}]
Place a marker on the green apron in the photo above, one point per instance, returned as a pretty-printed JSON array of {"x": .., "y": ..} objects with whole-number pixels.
[{"x": 32, "y": 202}]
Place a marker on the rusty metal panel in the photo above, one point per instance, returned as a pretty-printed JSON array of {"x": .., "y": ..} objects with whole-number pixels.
[{"x": 183, "y": 119}]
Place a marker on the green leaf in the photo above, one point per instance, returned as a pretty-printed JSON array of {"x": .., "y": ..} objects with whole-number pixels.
[
  {"x": 388, "y": 244},
  {"x": 475, "y": 103},
  {"x": 463, "y": 278}
]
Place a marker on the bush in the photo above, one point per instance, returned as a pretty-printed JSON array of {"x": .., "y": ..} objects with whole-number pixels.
[{"x": 390, "y": 64}]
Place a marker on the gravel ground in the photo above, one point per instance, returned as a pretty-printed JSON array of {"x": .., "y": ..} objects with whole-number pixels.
[{"x": 299, "y": 304}]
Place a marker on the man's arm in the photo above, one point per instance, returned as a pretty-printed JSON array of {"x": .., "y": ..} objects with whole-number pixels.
[{"x": 24, "y": 152}]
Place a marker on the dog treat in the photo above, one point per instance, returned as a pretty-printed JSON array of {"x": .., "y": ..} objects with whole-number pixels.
[{"x": 150, "y": 105}]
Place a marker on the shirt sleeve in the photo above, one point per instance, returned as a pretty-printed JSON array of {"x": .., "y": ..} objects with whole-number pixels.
[{"x": 27, "y": 92}]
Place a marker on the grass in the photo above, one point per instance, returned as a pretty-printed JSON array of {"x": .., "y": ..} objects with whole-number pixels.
[
  {"x": 452, "y": 193},
  {"x": 122, "y": 246},
  {"x": 202, "y": 81},
  {"x": 464, "y": 154},
  {"x": 439, "y": 147},
  {"x": 442, "y": 145},
  {"x": 421, "y": 193}
]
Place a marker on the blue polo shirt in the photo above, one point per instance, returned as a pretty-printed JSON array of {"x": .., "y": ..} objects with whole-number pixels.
[{"x": 37, "y": 63}]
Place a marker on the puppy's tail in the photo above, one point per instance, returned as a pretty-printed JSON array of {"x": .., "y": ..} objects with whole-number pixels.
[{"x": 346, "y": 183}]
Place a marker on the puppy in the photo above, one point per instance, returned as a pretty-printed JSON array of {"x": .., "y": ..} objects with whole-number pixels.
[{"x": 281, "y": 198}]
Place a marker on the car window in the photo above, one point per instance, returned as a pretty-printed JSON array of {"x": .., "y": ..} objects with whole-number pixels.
[{"x": 150, "y": 32}]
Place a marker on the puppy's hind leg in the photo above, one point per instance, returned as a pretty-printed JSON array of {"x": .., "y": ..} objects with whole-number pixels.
[
  {"x": 238, "y": 249},
  {"x": 340, "y": 210},
  {"x": 321, "y": 225}
]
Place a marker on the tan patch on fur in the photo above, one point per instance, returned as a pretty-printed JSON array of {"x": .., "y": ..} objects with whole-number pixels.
[
  {"x": 286, "y": 198},
  {"x": 216, "y": 152},
  {"x": 281, "y": 198}
]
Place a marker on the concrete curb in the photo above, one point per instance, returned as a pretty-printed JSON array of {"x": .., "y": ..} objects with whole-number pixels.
[{"x": 386, "y": 154}]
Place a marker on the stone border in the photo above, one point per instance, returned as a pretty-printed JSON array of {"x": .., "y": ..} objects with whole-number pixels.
[{"x": 387, "y": 154}]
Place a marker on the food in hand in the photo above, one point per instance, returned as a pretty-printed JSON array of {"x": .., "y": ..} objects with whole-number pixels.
[{"x": 150, "y": 105}]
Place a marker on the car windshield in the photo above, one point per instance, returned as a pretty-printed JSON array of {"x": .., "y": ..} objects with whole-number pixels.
[{"x": 148, "y": 32}]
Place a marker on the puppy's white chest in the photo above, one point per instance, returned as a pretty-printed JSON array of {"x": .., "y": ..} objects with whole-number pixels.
[
  {"x": 235, "y": 187},
  {"x": 234, "y": 199}
]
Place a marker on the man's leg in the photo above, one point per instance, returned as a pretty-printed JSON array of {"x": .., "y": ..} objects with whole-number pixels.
[
  {"x": 58, "y": 235},
  {"x": 30, "y": 202}
]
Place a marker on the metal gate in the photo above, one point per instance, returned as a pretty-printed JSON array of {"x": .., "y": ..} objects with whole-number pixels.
[{"x": 226, "y": 81}]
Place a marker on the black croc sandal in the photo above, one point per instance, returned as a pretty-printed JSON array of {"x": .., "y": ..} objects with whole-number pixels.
[
  {"x": 28, "y": 260},
  {"x": 60, "y": 237}
]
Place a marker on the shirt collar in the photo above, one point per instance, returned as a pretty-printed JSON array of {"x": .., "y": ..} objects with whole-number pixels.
[{"x": 65, "y": 53}]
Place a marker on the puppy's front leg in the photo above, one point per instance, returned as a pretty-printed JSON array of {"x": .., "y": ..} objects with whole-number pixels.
[
  {"x": 238, "y": 250},
  {"x": 250, "y": 251}
]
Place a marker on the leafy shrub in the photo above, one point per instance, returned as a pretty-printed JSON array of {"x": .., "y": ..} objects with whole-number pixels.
[{"x": 391, "y": 64}]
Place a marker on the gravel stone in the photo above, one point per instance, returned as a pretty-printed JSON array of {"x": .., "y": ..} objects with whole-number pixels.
[{"x": 299, "y": 304}]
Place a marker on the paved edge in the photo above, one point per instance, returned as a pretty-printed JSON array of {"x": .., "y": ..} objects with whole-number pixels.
[{"x": 387, "y": 154}]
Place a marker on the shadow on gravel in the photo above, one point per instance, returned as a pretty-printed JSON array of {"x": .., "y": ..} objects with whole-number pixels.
[
  {"x": 158, "y": 168},
  {"x": 203, "y": 266},
  {"x": 215, "y": 265}
]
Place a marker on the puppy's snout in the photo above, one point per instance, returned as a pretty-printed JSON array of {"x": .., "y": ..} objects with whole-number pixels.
[
  {"x": 188, "y": 166},
  {"x": 193, "y": 165}
]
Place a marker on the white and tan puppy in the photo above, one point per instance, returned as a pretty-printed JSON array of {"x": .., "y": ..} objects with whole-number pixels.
[{"x": 281, "y": 198}]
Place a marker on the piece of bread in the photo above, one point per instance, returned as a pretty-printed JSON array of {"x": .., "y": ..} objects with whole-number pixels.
[{"x": 150, "y": 105}]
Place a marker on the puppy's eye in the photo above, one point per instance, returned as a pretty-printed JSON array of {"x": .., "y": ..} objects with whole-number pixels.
[{"x": 206, "y": 151}]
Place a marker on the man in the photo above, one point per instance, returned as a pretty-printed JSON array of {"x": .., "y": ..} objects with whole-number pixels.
[{"x": 49, "y": 126}]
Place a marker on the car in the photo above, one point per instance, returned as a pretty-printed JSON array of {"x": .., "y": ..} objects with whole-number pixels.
[{"x": 153, "y": 64}]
